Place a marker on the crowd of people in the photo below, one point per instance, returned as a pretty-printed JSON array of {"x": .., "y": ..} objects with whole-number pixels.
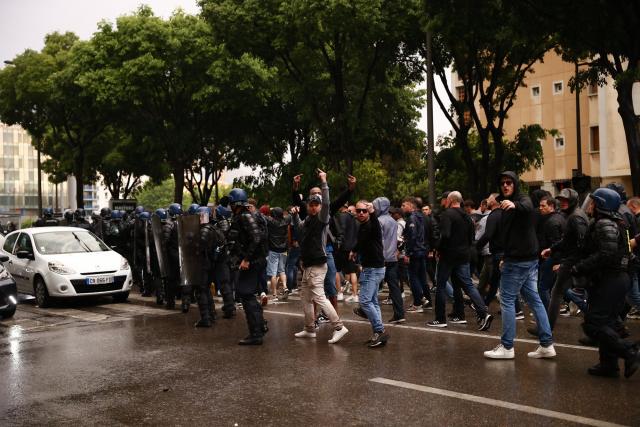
[{"x": 555, "y": 254}]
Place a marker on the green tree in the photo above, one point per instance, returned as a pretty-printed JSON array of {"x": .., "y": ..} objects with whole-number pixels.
[
  {"x": 343, "y": 76},
  {"x": 602, "y": 36},
  {"x": 492, "y": 48},
  {"x": 153, "y": 195}
]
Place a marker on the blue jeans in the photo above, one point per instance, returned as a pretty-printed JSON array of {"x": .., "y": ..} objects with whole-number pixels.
[
  {"x": 461, "y": 278},
  {"x": 633, "y": 296},
  {"x": 521, "y": 277},
  {"x": 370, "y": 279},
  {"x": 330, "y": 278},
  {"x": 547, "y": 279},
  {"x": 418, "y": 277},
  {"x": 578, "y": 298},
  {"x": 292, "y": 267}
]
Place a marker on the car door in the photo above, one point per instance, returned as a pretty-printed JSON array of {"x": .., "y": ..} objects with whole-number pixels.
[
  {"x": 7, "y": 249},
  {"x": 23, "y": 268}
]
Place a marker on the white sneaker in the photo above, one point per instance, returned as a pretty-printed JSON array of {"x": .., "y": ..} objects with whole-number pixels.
[
  {"x": 349, "y": 299},
  {"x": 355, "y": 298},
  {"x": 337, "y": 335},
  {"x": 340, "y": 296},
  {"x": 305, "y": 334},
  {"x": 500, "y": 352},
  {"x": 543, "y": 352}
]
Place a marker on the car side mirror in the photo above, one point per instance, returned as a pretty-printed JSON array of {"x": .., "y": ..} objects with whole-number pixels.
[
  {"x": 4, "y": 258},
  {"x": 25, "y": 255}
]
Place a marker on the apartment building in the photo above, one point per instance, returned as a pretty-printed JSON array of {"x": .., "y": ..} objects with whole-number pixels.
[{"x": 547, "y": 100}]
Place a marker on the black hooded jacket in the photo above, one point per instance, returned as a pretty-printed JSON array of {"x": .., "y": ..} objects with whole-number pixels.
[{"x": 517, "y": 225}]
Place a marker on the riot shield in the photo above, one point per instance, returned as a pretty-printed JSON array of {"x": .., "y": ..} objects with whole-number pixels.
[
  {"x": 188, "y": 240},
  {"x": 156, "y": 229}
]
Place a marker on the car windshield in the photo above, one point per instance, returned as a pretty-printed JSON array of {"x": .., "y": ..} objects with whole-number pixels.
[{"x": 68, "y": 242}]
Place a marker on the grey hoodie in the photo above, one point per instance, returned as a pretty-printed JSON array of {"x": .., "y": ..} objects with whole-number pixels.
[{"x": 389, "y": 228}]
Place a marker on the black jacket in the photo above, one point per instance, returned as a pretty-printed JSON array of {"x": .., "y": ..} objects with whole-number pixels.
[
  {"x": 369, "y": 246},
  {"x": 349, "y": 227},
  {"x": 413, "y": 235},
  {"x": 550, "y": 229},
  {"x": 606, "y": 250},
  {"x": 278, "y": 233},
  {"x": 569, "y": 249},
  {"x": 456, "y": 236},
  {"x": 247, "y": 238},
  {"x": 517, "y": 226},
  {"x": 313, "y": 232}
]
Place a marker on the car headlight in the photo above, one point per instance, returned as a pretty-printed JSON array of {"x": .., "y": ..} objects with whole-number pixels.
[
  {"x": 124, "y": 264},
  {"x": 59, "y": 268}
]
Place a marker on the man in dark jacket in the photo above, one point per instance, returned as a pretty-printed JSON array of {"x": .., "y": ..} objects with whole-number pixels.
[
  {"x": 369, "y": 249},
  {"x": 519, "y": 270},
  {"x": 551, "y": 227},
  {"x": 415, "y": 253},
  {"x": 456, "y": 236},
  {"x": 566, "y": 252}
]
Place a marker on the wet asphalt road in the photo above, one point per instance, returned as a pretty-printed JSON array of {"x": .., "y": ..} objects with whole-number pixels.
[{"x": 100, "y": 363}]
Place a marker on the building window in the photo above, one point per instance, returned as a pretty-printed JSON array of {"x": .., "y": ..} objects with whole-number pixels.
[
  {"x": 592, "y": 89},
  {"x": 594, "y": 139},
  {"x": 460, "y": 93},
  {"x": 559, "y": 142},
  {"x": 535, "y": 91},
  {"x": 557, "y": 88}
]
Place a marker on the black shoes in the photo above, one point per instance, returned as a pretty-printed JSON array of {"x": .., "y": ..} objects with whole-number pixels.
[
  {"x": 204, "y": 323},
  {"x": 251, "y": 340},
  {"x": 228, "y": 314},
  {"x": 379, "y": 339},
  {"x": 185, "y": 306},
  {"x": 631, "y": 362},
  {"x": 171, "y": 305},
  {"x": 159, "y": 301},
  {"x": 588, "y": 341},
  {"x": 397, "y": 320},
  {"x": 484, "y": 323},
  {"x": 600, "y": 371}
]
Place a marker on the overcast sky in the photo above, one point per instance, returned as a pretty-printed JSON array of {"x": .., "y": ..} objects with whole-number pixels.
[{"x": 24, "y": 23}]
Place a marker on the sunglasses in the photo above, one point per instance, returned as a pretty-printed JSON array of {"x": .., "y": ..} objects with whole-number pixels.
[{"x": 362, "y": 210}]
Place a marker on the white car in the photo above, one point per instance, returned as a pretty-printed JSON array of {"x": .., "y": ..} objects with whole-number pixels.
[{"x": 65, "y": 262}]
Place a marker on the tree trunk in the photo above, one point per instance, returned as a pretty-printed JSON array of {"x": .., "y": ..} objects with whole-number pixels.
[
  {"x": 178, "y": 179},
  {"x": 631, "y": 124}
]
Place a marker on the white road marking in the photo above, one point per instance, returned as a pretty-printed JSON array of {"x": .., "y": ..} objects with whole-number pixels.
[
  {"x": 447, "y": 331},
  {"x": 497, "y": 403}
]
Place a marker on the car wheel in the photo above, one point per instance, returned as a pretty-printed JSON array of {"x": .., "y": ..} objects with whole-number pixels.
[
  {"x": 121, "y": 297},
  {"x": 8, "y": 312},
  {"x": 42, "y": 294}
]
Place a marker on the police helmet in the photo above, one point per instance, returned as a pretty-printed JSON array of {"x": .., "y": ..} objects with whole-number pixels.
[
  {"x": 161, "y": 213},
  {"x": 138, "y": 210},
  {"x": 79, "y": 214},
  {"x": 105, "y": 213},
  {"x": 68, "y": 215},
  {"x": 117, "y": 215},
  {"x": 606, "y": 200},
  {"x": 238, "y": 196},
  {"x": 174, "y": 209},
  {"x": 145, "y": 216},
  {"x": 193, "y": 209},
  {"x": 47, "y": 213}
]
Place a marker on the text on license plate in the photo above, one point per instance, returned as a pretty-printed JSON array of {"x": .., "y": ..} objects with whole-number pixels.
[{"x": 102, "y": 280}]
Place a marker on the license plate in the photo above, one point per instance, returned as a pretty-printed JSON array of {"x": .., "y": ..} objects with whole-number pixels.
[{"x": 102, "y": 280}]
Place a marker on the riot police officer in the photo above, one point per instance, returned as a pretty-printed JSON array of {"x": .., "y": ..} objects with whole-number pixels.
[
  {"x": 159, "y": 256},
  {"x": 47, "y": 219},
  {"x": 141, "y": 263},
  {"x": 80, "y": 220},
  {"x": 222, "y": 275},
  {"x": 206, "y": 252},
  {"x": 247, "y": 259},
  {"x": 67, "y": 218},
  {"x": 193, "y": 209},
  {"x": 171, "y": 247},
  {"x": 606, "y": 267}
]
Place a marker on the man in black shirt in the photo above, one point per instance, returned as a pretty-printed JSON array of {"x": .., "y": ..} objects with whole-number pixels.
[
  {"x": 369, "y": 249},
  {"x": 456, "y": 237}
]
